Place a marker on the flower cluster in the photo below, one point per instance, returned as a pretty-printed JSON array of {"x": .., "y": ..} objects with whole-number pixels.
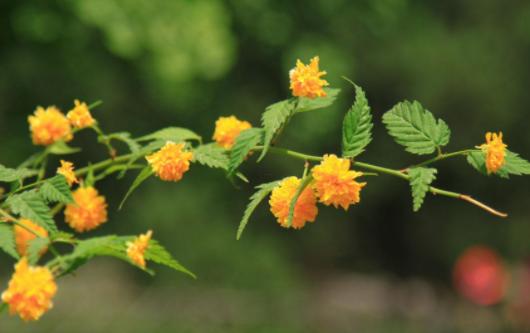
[
  {"x": 25, "y": 232},
  {"x": 136, "y": 249},
  {"x": 305, "y": 209},
  {"x": 495, "y": 151},
  {"x": 80, "y": 116},
  {"x": 306, "y": 81},
  {"x": 227, "y": 129},
  {"x": 88, "y": 211},
  {"x": 170, "y": 162},
  {"x": 67, "y": 170}
]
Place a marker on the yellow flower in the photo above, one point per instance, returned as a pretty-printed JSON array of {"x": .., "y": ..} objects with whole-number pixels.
[
  {"x": 67, "y": 170},
  {"x": 495, "y": 151},
  {"x": 306, "y": 81},
  {"x": 48, "y": 126},
  {"x": 227, "y": 129},
  {"x": 280, "y": 200},
  {"x": 24, "y": 236},
  {"x": 335, "y": 183},
  {"x": 136, "y": 248},
  {"x": 88, "y": 211},
  {"x": 30, "y": 291},
  {"x": 170, "y": 162},
  {"x": 80, "y": 116}
]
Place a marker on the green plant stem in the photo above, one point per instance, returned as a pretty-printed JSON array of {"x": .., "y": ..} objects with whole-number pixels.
[
  {"x": 444, "y": 156},
  {"x": 103, "y": 164}
]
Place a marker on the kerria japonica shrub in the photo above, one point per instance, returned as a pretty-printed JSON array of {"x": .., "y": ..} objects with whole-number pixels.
[{"x": 32, "y": 199}]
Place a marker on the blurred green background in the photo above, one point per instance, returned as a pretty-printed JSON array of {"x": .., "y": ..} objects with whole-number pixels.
[{"x": 377, "y": 267}]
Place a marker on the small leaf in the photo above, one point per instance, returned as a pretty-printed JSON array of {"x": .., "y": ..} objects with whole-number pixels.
[
  {"x": 9, "y": 175},
  {"x": 415, "y": 128},
  {"x": 158, "y": 254},
  {"x": 56, "y": 189},
  {"x": 7, "y": 240},
  {"x": 303, "y": 184},
  {"x": 478, "y": 161},
  {"x": 309, "y": 104},
  {"x": 255, "y": 199},
  {"x": 126, "y": 138},
  {"x": 61, "y": 148},
  {"x": 513, "y": 165},
  {"x": 357, "y": 126},
  {"x": 142, "y": 176},
  {"x": 175, "y": 134},
  {"x": 274, "y": 117},
  {"x": 36, "y": 246},
  {"x": 245, "y": 142},
  {"x": 211, "y": 155},
  {"x": 32, "y": 206},
  {"x": 420, "y": 181}
]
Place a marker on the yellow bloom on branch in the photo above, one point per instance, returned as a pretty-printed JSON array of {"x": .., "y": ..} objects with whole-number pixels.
[
  {"x": 227, "y": 129},
  {"x": 170, "y": 162},
  {"x": 305, "y": 208},
  {"x": 306, "y": 81},
  {"x": 67, "y": 170},
  {"x": 48, "y": 126},
  {"x": 88, "y": 211},
  {"x": 30, "y": 291},
  {"x": 23, "y": 236},
  {"x": 335, "y": 183},
  {"x": 495, "y": 151},
  {"x": 80, "y": 116},
  {"x": 136, "y": 249}
]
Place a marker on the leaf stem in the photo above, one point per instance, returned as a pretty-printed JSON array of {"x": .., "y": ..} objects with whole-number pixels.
[{"x": 443, "y": 157}]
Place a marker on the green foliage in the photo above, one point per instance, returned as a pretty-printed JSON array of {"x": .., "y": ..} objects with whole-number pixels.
[
  {"x": 262, "y": 191},
  {"x": 357, "y": 126},
  {"x": 142, "y": 176},
  {"x": 175, "y": 134},
  {"x": 415, "y": 128},
  {"x": 62, "y": 148},
  {"x": 9, "y": 175},
  {"x": 31, "y": 205},
  {"x": 420, "y": 181},
  {"x": 514, "y": 164},
  {"x": 158, "y": 254},
  {"x": 245, "y": 142},
  {"x": 211, "y": 155},
  {"x": 303, "y": 184},
  {"x": 56, "y": 189},
  {"x": 309, "y": 104},
  {"x": 274, "y": 117},
  {"x": 7, "y": 240},
  {"x": 126, "y": 138},
  {"x": 35, "y": 247}
]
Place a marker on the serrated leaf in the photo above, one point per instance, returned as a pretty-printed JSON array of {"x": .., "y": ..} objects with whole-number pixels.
[
  {"x": 357, "y": 126},
  {"x": 415, "y": 128},
  {"x": 142, "y": 176},
  {"x": 420, "y": 180},
  {"x": 245, "y": 142},
  {"x": 61, "y": 148},
  {"x": 303, "y": 184},
  {"x": 274, "y": 117},
  {"x": 308, "y": 104},
  {"x": 35, "y": 247},
  {"x": 211, "y": 155},
  {"x": 513, "y": 165},
  {"x": 158, "y": 254},
  {"x": 478, "y": 161},
  {"x": 262, "y": 191},
  {"x": 7, "y": 240},
  {"x": 9, "y": 175},
  {"x": 175, "y": 134},
  {"x": 56, "y": 189},
  {"x": 32, "y": 206}
]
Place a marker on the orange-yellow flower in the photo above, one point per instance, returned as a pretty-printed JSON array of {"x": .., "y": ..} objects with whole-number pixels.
[
  {"x": 80, "y": 116},
  {"x": 67, "y": 170},
  {"x": 335, "y": 183},
  {"x": 88, "y": 211},
  {"x": 136, "y": 249},
  {"x": 227, "y": 129},
  {"x": 495, "y": 151},
  {"x": 30, "y": 291},
  {"x": 170, "y": 162},
  {"x": 305, "y": 208},
  {"x": 306, "y": 81},
  {"x": 23, "y": 236},
  {"x": 48, "y": 126}
]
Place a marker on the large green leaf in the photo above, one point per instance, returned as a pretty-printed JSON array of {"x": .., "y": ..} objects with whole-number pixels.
[
  {"x": 7, "y": 240},
  {"x": 142, "y": 176},
  {"x": 309, "y": 104},
  {"x": 415, "y": 128},
  {"x": 9, "y": 175},
  {"x": 245, "y": 142},
  {"x": 357, "y": 126},
  {"x": 32, "y": 206},
  {"x": 157, "y": 253},
  {"x": 175, "y": 134},
  {"x": 420, "y": 180},
  {"x": 274, "y": 117},
  {"x": 56, "y": 189},
  {"x": 211, "y": 155},
  {"x": 262, "y": 191}
]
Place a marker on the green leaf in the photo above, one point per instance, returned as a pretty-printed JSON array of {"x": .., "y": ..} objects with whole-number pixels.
[
  {"x": 61, "y": 148},
  {"x": 357, "y": 126},
  {"x": 477, "y": 160},
  {"x": 56, "y": 189},
  {"x": 262, "y": 191},
  {"x": 32, "y": 206},
  {"x": 309, "y": 104},
  {"x": 415, "y": 128},
  {"x": 303, "y": 184},
  {"x": 9, "y": 175},
  {"x": 7, "y": 240},
  {"x": 514, "y": 164},
  {"x": 158, "y": 254},
  {"x": 145, "y": 150},
  {"x": 35, "y": 248},
  {"x": 211, "y": 155},
  {"x": 142, "y": 176},
  {"x": 274, "y": 117},
  {"x": 420, "y": 181},
  {"x": 245, "y": 142},
  {"x": 126, "y": 138},
  {"x": 175, "y": 134}
]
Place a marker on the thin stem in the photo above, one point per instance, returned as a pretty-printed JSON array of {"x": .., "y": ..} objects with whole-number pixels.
[
  {"x": 95, "y": 104},
  {"x": 443, "y": 157},
  {"x": 103, "y": 164}
]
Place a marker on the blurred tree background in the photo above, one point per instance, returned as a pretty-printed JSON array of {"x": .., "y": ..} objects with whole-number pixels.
[{"x": 377, "y": 267}]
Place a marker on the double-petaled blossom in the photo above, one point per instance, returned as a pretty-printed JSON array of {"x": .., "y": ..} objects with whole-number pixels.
[
  {"x": 305, "y": 208},
  {"x": 67, "y": 170},
  {"x": 335, "y": 183},
  {"x": 136, "y": 249},
  {"x": 170, "y": 162},
  {"x": 48, "y": 126},
  {"x": 495, "y": 151},
  {"x": 80, "y": 116},
  {"x": 227, "y": 129},
  {"x": 25, "y": 233},
  {"x": 88, "y": 211},
  {"x": 306, "y": 81},
  {"x": 30, "y": 291}
]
